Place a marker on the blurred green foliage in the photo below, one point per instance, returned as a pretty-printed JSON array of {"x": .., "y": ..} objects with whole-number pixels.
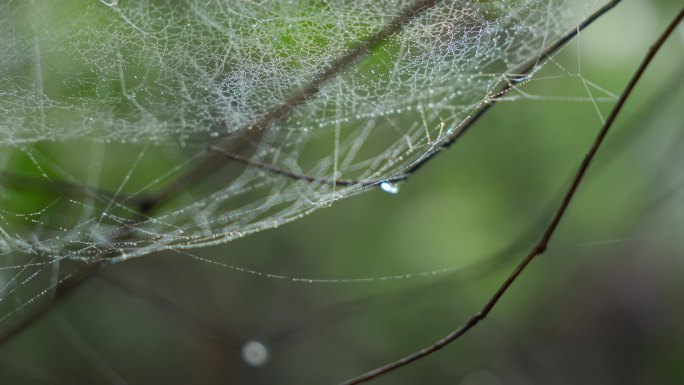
[{"x": 603, "y": 306}]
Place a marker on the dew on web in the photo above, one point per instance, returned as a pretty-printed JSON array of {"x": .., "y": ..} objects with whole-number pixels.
[
  {"x": 115, "y": 149},
  {"x": 106, "y": 139}
]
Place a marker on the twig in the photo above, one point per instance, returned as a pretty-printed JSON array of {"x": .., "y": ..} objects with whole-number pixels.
[
  {"x": 289, "y": 174},
  {"x": 525, "y": 69},
  {"x": 213, "y": 161},
  {"x": 522, "y": 70},
  {"x": 541, "y": 245}
]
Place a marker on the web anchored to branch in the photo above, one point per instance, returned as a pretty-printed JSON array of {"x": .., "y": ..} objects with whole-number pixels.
[
  {"x": 138, "y": 128},
  {"x": 541, "y": 245}
]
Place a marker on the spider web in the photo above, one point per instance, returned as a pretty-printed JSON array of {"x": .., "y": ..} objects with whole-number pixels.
[{"x": 195, "y": 108}]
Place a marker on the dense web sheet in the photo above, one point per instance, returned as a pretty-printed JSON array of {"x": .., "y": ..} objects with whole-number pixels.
[{"x": 106, "y": 106}]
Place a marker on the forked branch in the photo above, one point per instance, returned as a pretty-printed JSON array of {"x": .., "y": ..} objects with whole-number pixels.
[
  {"x": 541, "y": 245},
  {"x": 521, "y": 72}
]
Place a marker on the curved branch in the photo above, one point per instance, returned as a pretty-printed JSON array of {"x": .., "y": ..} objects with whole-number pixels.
[
  {"x": 541, "y": 245},
  {"x": 521, "y": 72}
]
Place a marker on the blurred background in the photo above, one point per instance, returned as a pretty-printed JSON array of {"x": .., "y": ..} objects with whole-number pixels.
[{"x": 602, "y": 306}]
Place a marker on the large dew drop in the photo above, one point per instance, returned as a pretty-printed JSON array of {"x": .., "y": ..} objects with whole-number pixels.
[
  {"x": 254, "y": 353},
  {"x": 389, "y": 188}
]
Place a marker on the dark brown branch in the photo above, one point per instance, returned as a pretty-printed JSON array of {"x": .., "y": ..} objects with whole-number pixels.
[
  {"x": 289, "y": 174},
  {"x": 541, "y": 245},
  {"x": 523, "y": 70},
  {"x": 214, "y": 161}
]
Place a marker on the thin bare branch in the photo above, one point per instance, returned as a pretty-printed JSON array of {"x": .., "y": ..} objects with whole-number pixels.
[
  {"x": 541, "y": 245},
  {"x": 280, "y": 171},
  {"x": 524, "y": 69},
  {"x": 521, "y": 73},
  {"x": 213, "y": 161}
]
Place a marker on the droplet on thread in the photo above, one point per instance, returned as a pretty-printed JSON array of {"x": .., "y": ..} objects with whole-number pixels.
[
  {"x": 522, "y": 78},
  {"x": 255, "y": 354},
  {"x": 389, "y": 188}
]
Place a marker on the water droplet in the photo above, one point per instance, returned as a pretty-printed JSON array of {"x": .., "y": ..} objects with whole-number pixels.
[
  {"x": 254, "y": 353},
  {"x": 521, "y": 78},
  {"x": 389, "y": 188}
]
